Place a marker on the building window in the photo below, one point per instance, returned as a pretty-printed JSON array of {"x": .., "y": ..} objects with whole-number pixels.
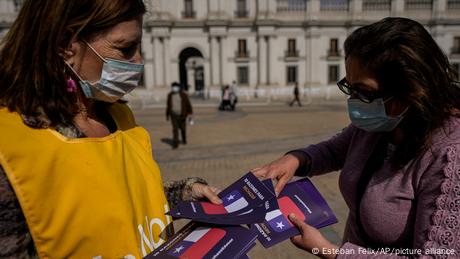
[
  {"x": 242, "y": 49},
  {"x": 241, "y": 9},
  {"x": 243, "y": 75},
  {"x": 376, "y": 5},
  {"x": 334, "y": 5},
  {"x": 456, "y": 47},
  {"x": 291, "y": 6},
  {"x": 333, "y": 74},
  {"x": 333, "y": 48},
  {"x": 188, "y": 9},
  {"x": 291, "y": 74},
  {"x": 292, "y": 49},
  {"x": 419, "y": 4},
  {"x": 453, "y": 4}
]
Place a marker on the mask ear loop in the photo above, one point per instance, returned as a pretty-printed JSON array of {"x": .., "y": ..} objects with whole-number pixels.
[
  {"x": 73, "y": 71},
  {"x": 391, "y": 97},
  {"x": 95, "y": 52},
  {"x": 402, "y": 113}
]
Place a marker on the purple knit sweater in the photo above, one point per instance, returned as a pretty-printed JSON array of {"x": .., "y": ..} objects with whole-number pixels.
[{"x": 416, "y": 207}]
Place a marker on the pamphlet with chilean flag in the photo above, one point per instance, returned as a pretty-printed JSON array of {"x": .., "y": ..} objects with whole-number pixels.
[
  {"x": 215, "y": 230},
  {"x": 200, "y": 240},
  {"x": 242, "y": 203},
  {"x": 304, "y": 200}
]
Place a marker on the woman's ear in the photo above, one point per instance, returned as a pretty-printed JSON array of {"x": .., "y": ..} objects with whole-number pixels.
[{"x": 71, "y": 52}]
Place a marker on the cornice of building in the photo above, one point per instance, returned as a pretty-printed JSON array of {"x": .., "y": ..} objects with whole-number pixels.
[
  {"x": 217, "y": 22},
  {"x": 275, "y": 23},
  {"x": 158, "y": 23}
]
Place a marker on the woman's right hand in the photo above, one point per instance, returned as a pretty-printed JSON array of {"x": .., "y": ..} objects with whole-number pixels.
[{"x": 282, "y": 169}]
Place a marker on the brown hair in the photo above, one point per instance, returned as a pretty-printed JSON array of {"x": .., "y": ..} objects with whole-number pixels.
[
  {"x": 410, "y": 66},
  {"x": 32, "y": 71}
]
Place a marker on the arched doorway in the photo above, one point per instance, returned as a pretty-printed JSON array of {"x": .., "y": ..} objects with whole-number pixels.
[{"x": 191, "y": 71}]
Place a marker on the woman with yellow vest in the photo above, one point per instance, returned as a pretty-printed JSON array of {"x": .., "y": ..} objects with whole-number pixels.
[{"x": 77, "y": 178}]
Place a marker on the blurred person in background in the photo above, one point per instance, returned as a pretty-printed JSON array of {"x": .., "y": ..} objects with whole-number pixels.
[
  {"x": 77, "y": 178},
  {"x": 226, "y": 104},
  {"x": 178, "y": 109},
  {"x": 296, "y": 93},
  {"x": 233, "y": 95}
]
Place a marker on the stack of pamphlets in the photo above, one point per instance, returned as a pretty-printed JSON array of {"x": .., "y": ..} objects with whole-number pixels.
[{"x": 250, "y": 210}]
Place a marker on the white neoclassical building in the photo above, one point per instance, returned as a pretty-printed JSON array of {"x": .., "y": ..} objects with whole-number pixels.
[{"x": 264, "y": 45}]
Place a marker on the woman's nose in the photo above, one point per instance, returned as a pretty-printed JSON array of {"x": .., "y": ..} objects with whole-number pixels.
[{"x": 138, "y": 57}]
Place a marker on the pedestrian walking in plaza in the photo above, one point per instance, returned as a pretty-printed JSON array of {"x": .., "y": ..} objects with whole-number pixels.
[
  {"x": 178, "y": 108},
  {"x": 233, "y": 95},
  {"x": 77, "y": 177},
  {"x": 399, "y": 159},
  {"x": 296, "y": 95},
  {"x": 225, "y": 104}
]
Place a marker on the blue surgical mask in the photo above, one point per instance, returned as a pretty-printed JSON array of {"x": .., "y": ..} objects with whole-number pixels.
[
  {"x": 372, "y": 117},
  {"x": 118, "y": 78}
]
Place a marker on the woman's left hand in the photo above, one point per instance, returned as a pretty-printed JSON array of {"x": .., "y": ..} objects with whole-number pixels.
[
  {"x": 203, "y": 191},
  {"x": 311, "y": 240}
]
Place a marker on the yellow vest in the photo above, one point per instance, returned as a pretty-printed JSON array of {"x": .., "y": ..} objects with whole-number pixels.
[{"x": 86, "y": 197}]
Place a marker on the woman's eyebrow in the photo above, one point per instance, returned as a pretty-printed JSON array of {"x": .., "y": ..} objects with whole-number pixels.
[
  {"x": 362, "y": 86},
  {"x": 125, "y": 42}
]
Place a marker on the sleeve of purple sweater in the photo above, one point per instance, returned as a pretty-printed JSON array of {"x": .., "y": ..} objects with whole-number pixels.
[
  {"x": 437, "y": 224},
  {"x": 325, "y": 156}
]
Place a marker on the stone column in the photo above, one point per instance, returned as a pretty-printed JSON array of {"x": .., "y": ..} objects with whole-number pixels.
[
  {"x": 397, "y": 7},
  {"x": 271, "y": 60},
  {"x": 356, "y": 8},
  {"x": 7, "y": 11},
  {"x": 11, "y": 6},
  {"x": 222, "y": 45},
  {"x": 262, "y": 64},
  {"x": 214, "y": 61},
  {"x": 190, "y": 79},
  {"x": 167, "y": 61},
  {"x": 313, "y": 9},
  {"x": 439, "y": 8},
  {"x": 147, "y": 51},
  {"x": 271, "y": 5},
  {"x": 207, "y": 77},
  {"x": 158, "y": 62},
  {"x": 213, "y": 8}
]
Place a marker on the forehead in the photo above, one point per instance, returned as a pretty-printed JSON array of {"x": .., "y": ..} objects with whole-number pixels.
[
  {"x": 359, "y": 74},
  {"x": 127, "y": 31},
  {"x": 355, "y": 68}
]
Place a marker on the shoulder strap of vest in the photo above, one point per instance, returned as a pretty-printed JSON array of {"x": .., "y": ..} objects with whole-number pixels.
[{"x": 122, "y": 115}]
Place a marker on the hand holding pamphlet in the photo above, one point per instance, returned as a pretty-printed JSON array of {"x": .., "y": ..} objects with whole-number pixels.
[
  {"x": 241, "y": 204},
  {"x": 215, "y": 232},
  {"x": 300, "y": 198}
]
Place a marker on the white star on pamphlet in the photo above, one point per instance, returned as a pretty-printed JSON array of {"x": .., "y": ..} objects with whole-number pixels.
[
  {"x": 231, "y": 197},
  {"x": 279, "y": 225},
  {"x": 178, "y": 249}
]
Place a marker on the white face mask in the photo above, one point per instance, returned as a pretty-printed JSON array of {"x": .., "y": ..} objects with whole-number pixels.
[
  {"x": 175, "y": 89},
  {"x": 118, "y": 78}
]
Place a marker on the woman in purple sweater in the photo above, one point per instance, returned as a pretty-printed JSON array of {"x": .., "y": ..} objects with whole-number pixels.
[{"x": 400, "y": 156}]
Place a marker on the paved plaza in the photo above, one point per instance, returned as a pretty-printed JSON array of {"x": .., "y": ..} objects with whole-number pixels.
[{"x": 222, "y": 146}]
